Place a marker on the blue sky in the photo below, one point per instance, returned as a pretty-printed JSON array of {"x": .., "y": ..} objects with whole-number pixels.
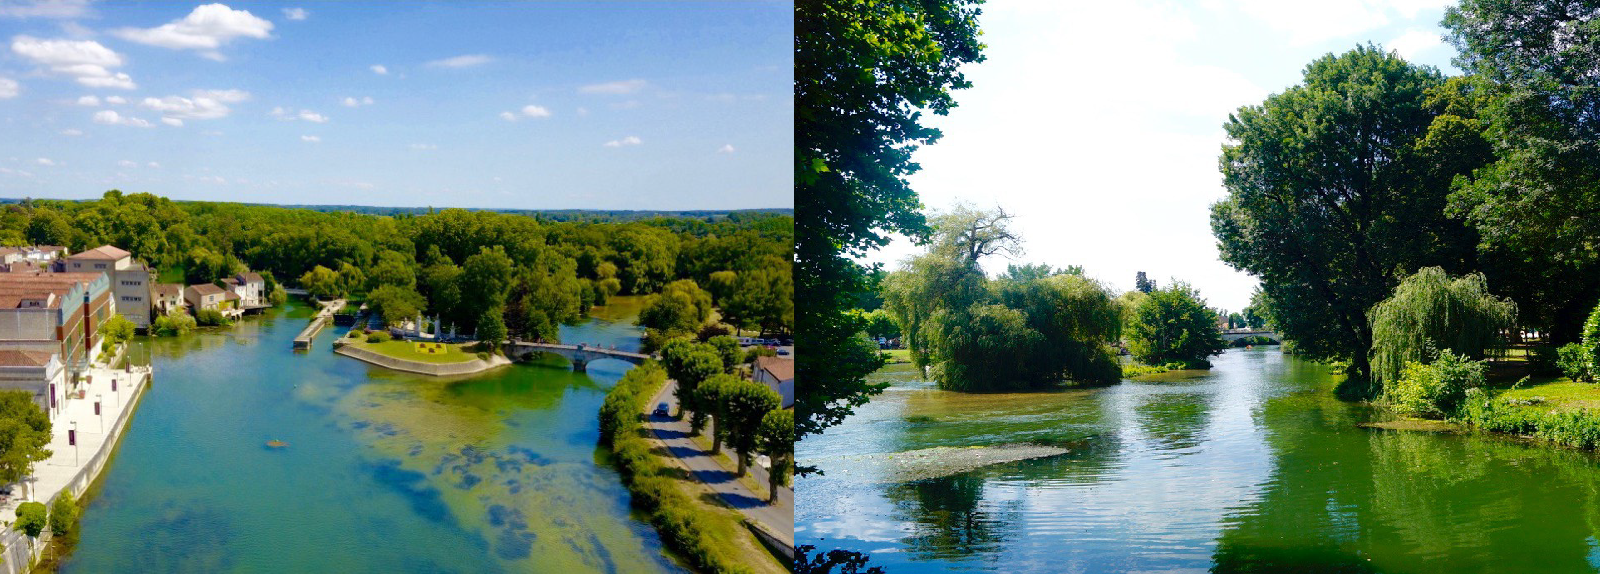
[
  {"x": 520, "y": 105},
  {"x": 1099, "y": 124}
]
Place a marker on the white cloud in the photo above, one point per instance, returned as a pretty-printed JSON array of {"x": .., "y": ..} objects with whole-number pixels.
[
  {"x": 128, "y": 163},
  {"x": 533, "y": 111},
  {"x": 199, "y": 108},
  {"x": 154, "y": 165},
  {"x": 112, "y": 118},
  {"x": 63, "y": 9},
  {"x": 313, "y": 117},
  {"x": 422, "y": 146},
  {"x": 174, "y": 122},
  {"x": 225, "y": 96},
  {"x": 726, "y": 148},
  {"x": 465, "y": 61},
  {"x": 508, "y": 116},
  {"x": 351, "y": 102},
  {"x": 207, "y": 28},
  {"x": 380, "y": 69},
  {"x": 630, "y": 140},
  {"x": 291, "y": 115},
  {"x": 312, "y": 139},
  {"x": 614, "y": 88},
  {"x": 91, "y": 101},
  {"x": 85, "y": 60},
  {"x": 1414, "y": 42},
  {"x": 583, "y": 112},
  {"x": 8, "y": 88},
  {"x": 45, "y": 161},
  {"x": 118, "y": 100},
  {"x": 71, "y": 132},
  {"x": 295, "y": 13}
]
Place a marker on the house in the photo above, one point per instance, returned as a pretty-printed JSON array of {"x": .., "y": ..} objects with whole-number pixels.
[
  {"x": 38, "y": 372},
  {"x": 778, "y": 374},
  {"x": 204, "y": 296},
  {"x": 57, "y": 313},
  {"x": 30, "y": 258},
  {"x": 250, "y": 287},
  {"x": 130, "y": 280},
  {"x": 165, "y": 297}
]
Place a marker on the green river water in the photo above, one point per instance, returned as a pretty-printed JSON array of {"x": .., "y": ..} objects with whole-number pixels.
[
  {"x": 1252, "y": 466},
  {"x": 384, "y": 472}
]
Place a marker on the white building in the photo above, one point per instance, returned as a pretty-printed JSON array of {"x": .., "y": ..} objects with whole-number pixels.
[{"x": 778, "y": 374}]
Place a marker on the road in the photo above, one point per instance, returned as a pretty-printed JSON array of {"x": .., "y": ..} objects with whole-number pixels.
[{"x": 674, "y": 435}]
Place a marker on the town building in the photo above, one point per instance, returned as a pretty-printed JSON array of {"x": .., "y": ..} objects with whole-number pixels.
[
  {"x": 50, "y": 329},
  {"x": 130, "y": 280},
  {"x": 205, "y": 296},
  {"x": 778, "y": 374},
  {"x": 166, "y": 297},
  {"x": 40, "y": 373},
  {"x": 251, "y": 289}
]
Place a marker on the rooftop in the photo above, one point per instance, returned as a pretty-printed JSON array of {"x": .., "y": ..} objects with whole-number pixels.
[
  {"x": 206, "y": 289},
  {"x": 12, "y": 358},
  {"x": 780, "y": 368},
  {"x": 48, "y": 288},
  {"x": 101, "y": 252}
]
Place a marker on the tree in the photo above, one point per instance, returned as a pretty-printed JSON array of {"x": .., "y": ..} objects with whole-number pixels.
[
  {"x": 1537, "y": 206},
  {"x": 486, "y": 280},
  {"x": 680, "y": 308},
  {"x": 728, "y": 347},
  {"x": 864, "y": 74},
  {"x": 712, "y": 395},
  {"x": 492, "y": 329},
  {"x": 1325, "y": 216},
  {"x": 322, "y": 282},
  {"x": 1173, "y": 324},
  {"x": 1143, "y": 283},
  {"x": 31, "y": 520},
  {"x": 776, "y": 438},
  {"x": 117, "y": 330},
  {"x": 24, "y": 435},
  {"x": 48, "y": 227},
  {"x": 63, "y": 514},
  {"x": 176, "y": 322},
  {"x": 880, "y": 324},
  {"x": 690, "y": 363},
  {"x": 396, "y": 303},
  {"x": 1430, "y": 311},
  {"x": 967, "y": 234},
  {"x": 351, "y": 279},
  {"x": 211, "y": 318},
  {"x": 745, "y": 403}
]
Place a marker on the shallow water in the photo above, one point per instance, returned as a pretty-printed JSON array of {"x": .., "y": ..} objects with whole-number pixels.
[
  {"x": 1253, "y": 466},
  {"x": 383, "y": 472}
]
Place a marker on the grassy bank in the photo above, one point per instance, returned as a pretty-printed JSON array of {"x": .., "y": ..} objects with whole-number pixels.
[
  {"x": 707, "y": 536},
  {"x": 411, "y": 351},
  {"x": 1559, "y": 410}
]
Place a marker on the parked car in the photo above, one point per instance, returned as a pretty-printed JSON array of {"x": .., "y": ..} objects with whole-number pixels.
[
  {"x": 783, "y": 351},
  {"x": 661, "y": 410}
]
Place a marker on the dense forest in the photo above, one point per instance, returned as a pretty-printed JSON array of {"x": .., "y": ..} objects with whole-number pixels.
[{"x": 529, "y": 274}]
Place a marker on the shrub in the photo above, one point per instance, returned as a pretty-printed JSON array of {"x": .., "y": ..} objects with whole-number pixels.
[
  {"x": 1575, "y": 362},
  {"x": 1543, "y": 360},
  {"x": 63, "y": 514},
  {"x": 755, "y": 352},
  {"x": 378, "y": 337},
  {"x": 172, "y": 324},
  {"x": 483, "y": 355},
  {"x": 1435, "y": 389},
  {"x": 1131, "y": 370},
  {"x": 210, "y": 318},
  {"x": 356, "y": 333},
  {"x": 710, "y": 330},
  {"x": 1574, "y": 428}
]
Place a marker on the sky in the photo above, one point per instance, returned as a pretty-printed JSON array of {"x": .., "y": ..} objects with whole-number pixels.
[
  {"x": 1099, "y": 124},
  {"x": 600, "y": 105}
]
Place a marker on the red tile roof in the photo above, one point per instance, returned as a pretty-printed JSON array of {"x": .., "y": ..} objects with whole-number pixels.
[
  {"x": 10, "y": 358},
  {"x": 101, "y": 252},
  {"x": 781, "y": 369},
  {"x": 206, "y": 289}
]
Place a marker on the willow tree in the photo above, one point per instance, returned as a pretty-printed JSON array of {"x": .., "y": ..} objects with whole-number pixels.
[{"x": 1430, "y": 311}]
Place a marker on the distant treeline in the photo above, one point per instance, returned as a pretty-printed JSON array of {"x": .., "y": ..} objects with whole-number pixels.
[{"x": 577, "y": 215}]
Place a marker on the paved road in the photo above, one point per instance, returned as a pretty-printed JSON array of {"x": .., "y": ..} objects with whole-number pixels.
[{"x": 674, "y": 435}]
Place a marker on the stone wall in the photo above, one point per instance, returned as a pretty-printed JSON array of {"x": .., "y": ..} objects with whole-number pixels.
[{"x": 419, "y": 367}]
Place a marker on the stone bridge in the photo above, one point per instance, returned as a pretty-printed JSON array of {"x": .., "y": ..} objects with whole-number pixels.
[
  {"x": 1236, "y": 334},
  {"x": 580, "y": 355}
]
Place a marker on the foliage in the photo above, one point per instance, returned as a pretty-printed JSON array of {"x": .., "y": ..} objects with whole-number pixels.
[
  {"x": 689, "y": 363},
  {"x": 1336, "y": 183},
  {"x": 711, "y": 330},
  {"x": 396, "y": 303},
  {"x": 1430, "y": 310},
  {"x": 696, "y": 534},
  {"x": 879, "y": 323},
  {"x": 492, "y": 329},
  {"x": 1173, "y": 324},
  {"x": 24, "y": 435},
  {"x": 1578, "y": 428},
  {"x": 1591, "y": 340},
  {"x": 745, "y": 403},
  {"x": 1434, "y": 389},
  {"x": 31, "y": 519},
  {"x": 378, "y": 337},
  {"x": 1534, "y": 91},
  {"x": 713, "y": 395},
  {"x": 1576, "y": 362},
  {"x": 177, "y": 322},
  {"x": 322, "y": 283},
  {"x": 679, "y": 309},
  {"x": 211, "y": 318},
  {"x": 864, "y": 75},
  {"x": 1132, "y": 370},
  {"x": 728, "y": 348},
  {"x": 754, "y": 353},
  {"x": 775, "y": 437},
  {"x": 63, "y": 514},
  {"x": 117, "y": 329},
  {"x": 1255, "y": 340}
]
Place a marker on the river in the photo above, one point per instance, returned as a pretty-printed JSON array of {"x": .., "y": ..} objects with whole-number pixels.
[
  {"x": 1253, "y": 466},
  {"x": 383, "y": 472}
]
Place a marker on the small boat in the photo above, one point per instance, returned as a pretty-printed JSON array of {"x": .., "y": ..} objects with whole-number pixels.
[{"x": 276, "y": 444}]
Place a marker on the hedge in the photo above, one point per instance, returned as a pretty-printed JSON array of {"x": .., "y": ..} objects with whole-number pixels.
[{"x": 700, "y": 537}]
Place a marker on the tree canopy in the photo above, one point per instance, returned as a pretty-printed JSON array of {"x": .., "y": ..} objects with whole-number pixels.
[
  {"x": 1173, "y": 325},
  {"x": 1431, "y": 311}
]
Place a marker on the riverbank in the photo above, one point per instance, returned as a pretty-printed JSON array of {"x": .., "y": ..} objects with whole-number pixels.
[
  {"x": 75, "y": 468},
  {"x": 709, "y": 537},
  {"x": 362, "y": 351}
]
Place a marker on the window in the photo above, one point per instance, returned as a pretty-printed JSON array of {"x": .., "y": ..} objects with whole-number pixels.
[{"x": 99, "y": 266}]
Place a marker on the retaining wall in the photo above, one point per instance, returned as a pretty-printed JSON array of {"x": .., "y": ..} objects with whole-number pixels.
[{"x": 419, "y": 367}]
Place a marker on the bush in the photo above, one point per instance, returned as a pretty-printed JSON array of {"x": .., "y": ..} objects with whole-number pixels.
[
  {"x": 378, "y": 337},
  {"x": 356, "y": 333},
  {"x": 1591, "y": 339},
  {"x": 1575, "y": 362},
  {"x": 1131, "y": 370},
  {"x": 172, "y": 324},
  {"x": 1574, "y": 428},
  {"x": 211, "y": 318},
  {"x": 1543, "y": 360},
  {"x": 63, "y": 514},
  {"x": 483, "y": 355},
  {"x": 710, "y": 330},
  {"x": 755, "y": 352},
  {"x": 1435, "y": 389}
]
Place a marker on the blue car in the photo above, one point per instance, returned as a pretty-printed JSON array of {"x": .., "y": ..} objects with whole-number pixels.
[{"x": 661, "y": 410}]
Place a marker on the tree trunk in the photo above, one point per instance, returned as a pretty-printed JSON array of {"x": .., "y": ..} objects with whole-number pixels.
[
  {"x": 773, "y": 478},
  {"x": 716, "y": 437},
  {"x": 741, "y": 462}
]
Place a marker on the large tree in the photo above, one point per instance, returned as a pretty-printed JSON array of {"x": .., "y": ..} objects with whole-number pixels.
[
  {"x": 1173, "y": 325},
  {"x": 1431, "y": 311},
  {"x": 1336, "y": 189},
  {"x": 1538, "y": 205},
  {"x": 865, "y": 72}
]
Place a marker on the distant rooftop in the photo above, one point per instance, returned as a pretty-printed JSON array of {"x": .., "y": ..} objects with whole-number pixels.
[{"x": 101, "y": 252}]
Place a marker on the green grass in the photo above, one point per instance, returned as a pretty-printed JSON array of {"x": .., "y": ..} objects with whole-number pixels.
[
  {"x": 408, "y": 350},
  {"x": 898, "y": 355}
]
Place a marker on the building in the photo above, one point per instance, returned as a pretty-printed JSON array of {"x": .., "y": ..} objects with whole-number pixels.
[
  {"x": 30, "y": 258},
  {"x": 204, "y": 296},
  {"x": 130, "y": 280},
  {"x": 38, "y": 372},
  {"x": 58, "y": 313},
  {"x": 165, "y": 297},
  {"x": 778, "y": 374},
  {"x": 251, "y": 289}
]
